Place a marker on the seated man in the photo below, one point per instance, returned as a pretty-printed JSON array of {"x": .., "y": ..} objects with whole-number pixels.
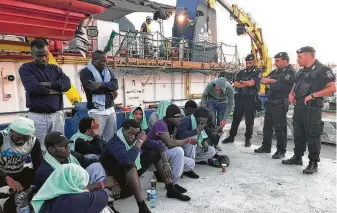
[
  {"x": 17, "y": 142},
  {"x": 190, "y": 107},
  {"x": 138, "y": 115},
  {"x": 164, "y": 130},
  {"x": 122, "y": 159},
  {"x": 87, "y": 141},
  {"x": 193, "y": 126},
  {"x": 58, "y": 153}
]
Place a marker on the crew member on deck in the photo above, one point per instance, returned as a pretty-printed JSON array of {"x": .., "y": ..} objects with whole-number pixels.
[
  {"x": 246, "y": 84},
  {"x": 44, "y": 84},
  {"x": 145, "y": 28},
  {"x": 280, "y": 80},
  {"x": 313, "y": 82}
]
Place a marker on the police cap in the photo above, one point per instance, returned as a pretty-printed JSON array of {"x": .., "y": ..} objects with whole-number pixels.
[
  {"x": 306, "y": 49},
  {"x": 282, "y": 55},
  {"x": 250, "y": 57}
]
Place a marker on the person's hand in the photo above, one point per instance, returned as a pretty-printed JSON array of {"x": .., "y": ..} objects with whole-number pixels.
[
  {"x": 193, "y": 141},
  {"x": 167, "y": 171},
  {"x": 114, "y": 95},
  {"x": 94, "y": 85},
  {"x": 109, "y": 181},
  {"x": 222, "y": 124},
  {"x": 307, "y": 99},
  {"x": 115, "y": 191},
  {"x": 291, "y": 98},
  {"x": 141, "y": 136},
  {"x": 16, "y": 186},
  {"x": 205, "y": 145},
  {"x": 201, "y": 127},
  {"x": 46, "y": 84}
]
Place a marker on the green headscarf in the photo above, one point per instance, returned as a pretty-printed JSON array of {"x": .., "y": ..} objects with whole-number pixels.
[
  {"x": 55, "y": 164},
  {"x": 76, "y": 136},
  {"x": 161, "y": 109},
  {"x": 67, "y": 179},
  {"x": 202, "y": 135},
  {"x": 120, "y": 135},
  {"x": 143, "y": 123}
]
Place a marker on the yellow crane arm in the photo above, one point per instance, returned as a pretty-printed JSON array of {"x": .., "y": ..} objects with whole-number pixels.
[{"x": 247, "y": 25}]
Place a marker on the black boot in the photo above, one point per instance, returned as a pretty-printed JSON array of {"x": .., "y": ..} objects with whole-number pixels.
[
  {"x": 143, "y": 207},
  {"x": 172, "y": 192},
  {"x": 278, "y": 155},
  {"x": 180, "y": 188},
  {"x": 262, "y": 150},
  {"x": 191, "y": 174},
  {"x": 293, "y": 161},
  {"x": 230, "y": 139},
  {"x": 311, "y": 168},
  {"x": 247, "y": 142}
]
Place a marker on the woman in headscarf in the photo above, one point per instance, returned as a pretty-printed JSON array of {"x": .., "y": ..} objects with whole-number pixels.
[{"x": 70, "y": 194}]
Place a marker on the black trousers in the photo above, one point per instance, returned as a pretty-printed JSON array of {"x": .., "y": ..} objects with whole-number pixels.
[
  {"x": 275, "y": 118},
  {"x": 25, "y": 178},
  {"x": 308, "y": 128},
  {"x": 146, "y": 160},
  {"x": 244, "y": 105}
]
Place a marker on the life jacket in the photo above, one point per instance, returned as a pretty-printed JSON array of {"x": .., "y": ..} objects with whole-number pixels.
[{"x": 148, "y": 30}]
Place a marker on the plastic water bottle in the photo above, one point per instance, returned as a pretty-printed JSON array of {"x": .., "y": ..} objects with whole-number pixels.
[
  {"x": 21, "y": 202},
  {"x": 153, "y": 197}
]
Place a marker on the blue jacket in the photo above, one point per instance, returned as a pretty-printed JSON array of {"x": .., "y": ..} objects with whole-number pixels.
[
  {"x": 115, "y": 154},
  {"x": 184, "y": 129},
  {"x": 38, "y": 99},
  {"x": 45, "y": 170}
]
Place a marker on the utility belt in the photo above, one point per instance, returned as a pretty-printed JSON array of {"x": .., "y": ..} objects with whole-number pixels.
[{"x": 279, "y": 101}]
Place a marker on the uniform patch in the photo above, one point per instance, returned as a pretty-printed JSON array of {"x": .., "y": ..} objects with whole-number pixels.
[
  {"x": 287, "y": 77},
  {"x": 260, "y": 75},
  {"x": 329, "y": 74}
]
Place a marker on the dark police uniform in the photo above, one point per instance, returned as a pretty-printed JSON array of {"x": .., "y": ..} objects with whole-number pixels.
[
  {"x": 276, "y": 109},
  {"x": 245, "y": 102},
  {"x": 307, "y": 119}
]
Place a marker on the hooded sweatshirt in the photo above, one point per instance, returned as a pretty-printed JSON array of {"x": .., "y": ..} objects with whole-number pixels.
[
  {"x": 143, "y": 123},
  {"x": 210, "y": 94}
]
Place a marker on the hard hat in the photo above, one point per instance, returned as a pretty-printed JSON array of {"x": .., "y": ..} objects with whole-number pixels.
[{"x": 148, "y": 18}]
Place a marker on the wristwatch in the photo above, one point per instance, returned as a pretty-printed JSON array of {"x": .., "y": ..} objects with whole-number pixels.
[{"x": 312, "y": 96}]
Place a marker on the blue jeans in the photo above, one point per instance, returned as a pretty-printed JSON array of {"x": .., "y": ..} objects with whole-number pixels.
[{"x": 218, "y": 111}]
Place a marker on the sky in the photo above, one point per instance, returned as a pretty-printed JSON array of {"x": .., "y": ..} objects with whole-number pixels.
[{"x": 286, "y": 25}]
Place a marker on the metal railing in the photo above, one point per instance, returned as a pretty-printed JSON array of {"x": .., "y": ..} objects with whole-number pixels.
[{"x": 133, "y": 44}]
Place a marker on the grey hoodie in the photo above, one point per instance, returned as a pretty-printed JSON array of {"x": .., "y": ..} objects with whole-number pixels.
[{"x": 210, "y": 94}]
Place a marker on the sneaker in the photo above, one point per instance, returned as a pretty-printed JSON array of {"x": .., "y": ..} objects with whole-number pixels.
[
  {"x": 191, "y": 174},
  {"x": 293, "y": 161},
  {"x": 262, "y": 150},
  {"x": 279, "y": 155},
  {"x": 228, "y": 140}
]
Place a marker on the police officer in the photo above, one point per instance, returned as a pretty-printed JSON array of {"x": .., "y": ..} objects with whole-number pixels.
[
  {"x": 313, "y": 82},
  {"x": 280, "y": 82},
  {"x": 246, "y": 85}
]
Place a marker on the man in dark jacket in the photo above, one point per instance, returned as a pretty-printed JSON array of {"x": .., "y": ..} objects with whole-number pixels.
[
  {"x": 58, "y": 153},
  {"x": 87, "y": 141},
  {"x": 193, "y": 126},
  {"x": 44, "y": 84},
  {"x": 128, "y": 155},
  {"x": 100, "y": 87}
]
